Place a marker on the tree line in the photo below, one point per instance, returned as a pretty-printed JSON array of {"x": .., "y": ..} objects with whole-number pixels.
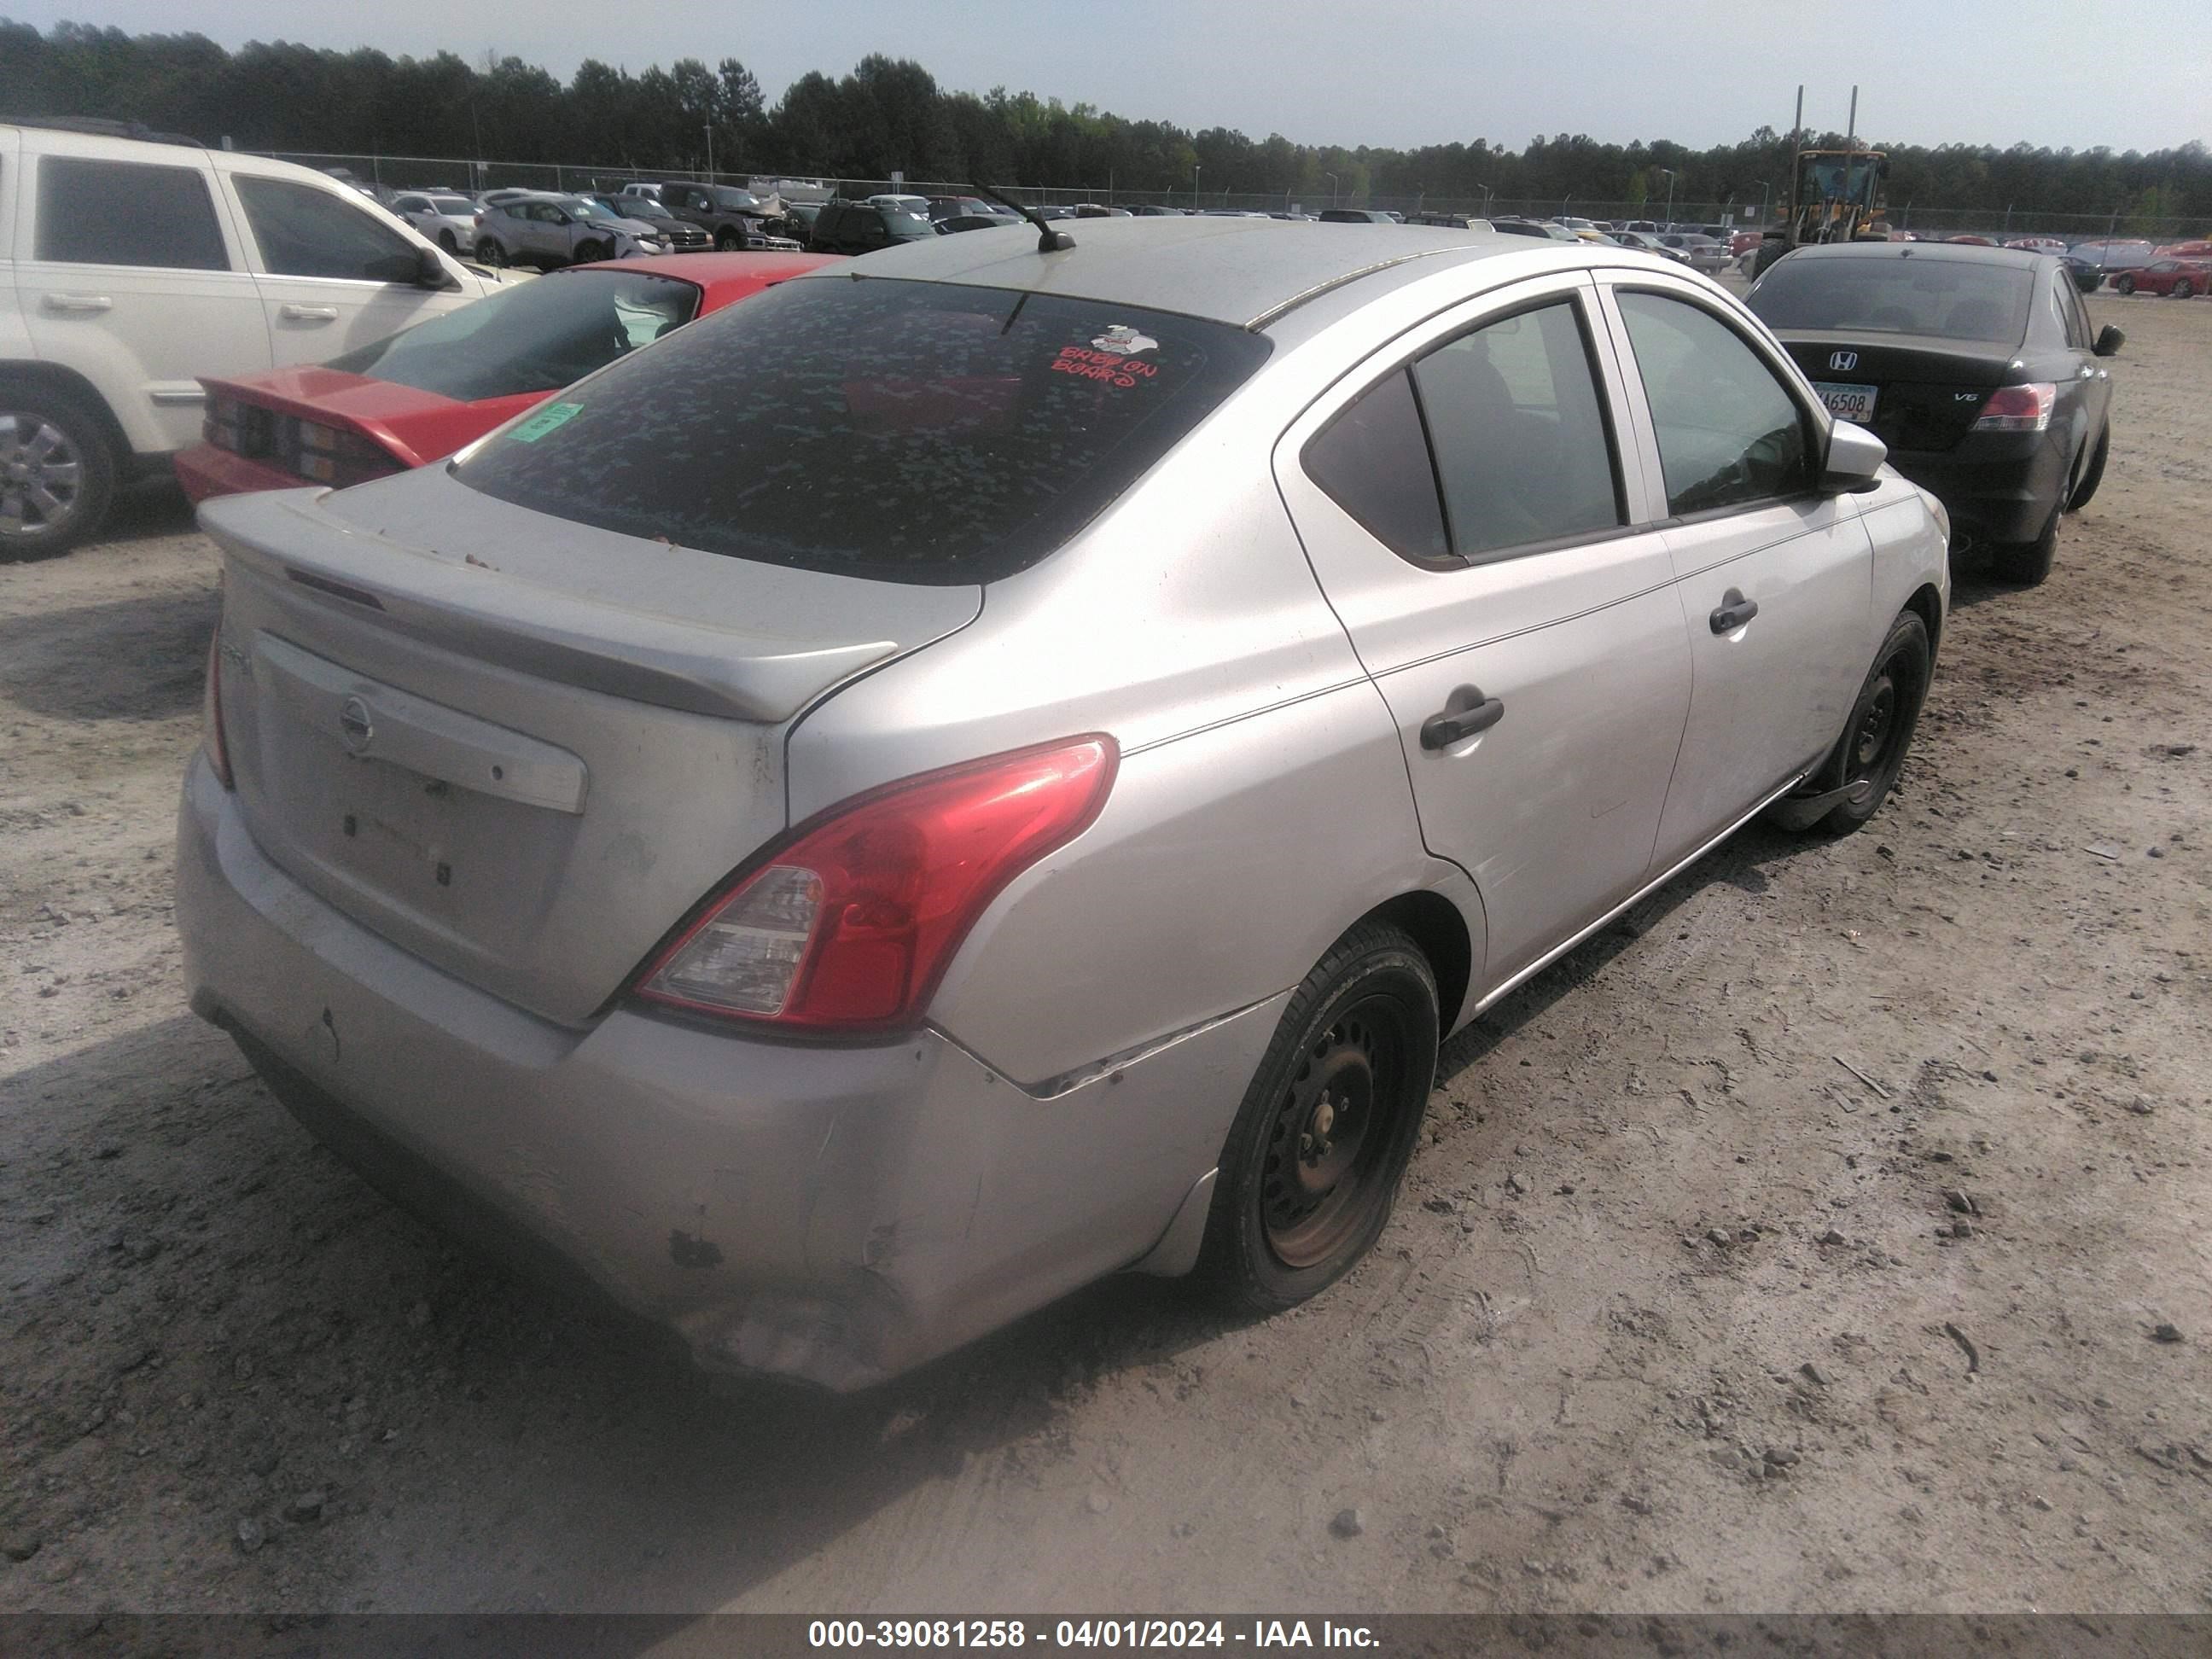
[{"x": 891, "y": 114}]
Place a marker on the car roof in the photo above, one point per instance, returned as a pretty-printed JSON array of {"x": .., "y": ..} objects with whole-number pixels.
[
  {"x": 1962, "y": 253},
  {"x": 1244, "y": 272}
]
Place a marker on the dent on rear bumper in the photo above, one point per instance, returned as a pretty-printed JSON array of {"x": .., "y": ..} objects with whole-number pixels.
[{"x": 828, "y": 1214}]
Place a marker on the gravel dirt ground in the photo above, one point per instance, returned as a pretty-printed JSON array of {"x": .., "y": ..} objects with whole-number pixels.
[{"x": 1829, "y": 1236}]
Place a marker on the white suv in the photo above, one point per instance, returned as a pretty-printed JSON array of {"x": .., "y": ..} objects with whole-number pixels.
[{"x": 131, "y": 265}]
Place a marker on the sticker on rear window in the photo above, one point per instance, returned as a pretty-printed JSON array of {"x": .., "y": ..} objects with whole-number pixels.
[
  {"x": 1113, "y": 368},
  {"x": 1125, "y": 342},
  {"x": 547, "y": 419}
]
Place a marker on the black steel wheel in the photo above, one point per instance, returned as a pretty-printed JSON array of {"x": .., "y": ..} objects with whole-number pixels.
[
  {"x": 1321, "y": 1143},
  {"x": 1874, "y": 742}
]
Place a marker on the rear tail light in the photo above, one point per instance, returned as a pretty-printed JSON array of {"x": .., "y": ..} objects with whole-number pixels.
[
  {"x": 331, "y": 455},
  {"x": 849, "y": 925},
  {"x": 2019, "y": 408},
  {"x": 212, "y": 741}
]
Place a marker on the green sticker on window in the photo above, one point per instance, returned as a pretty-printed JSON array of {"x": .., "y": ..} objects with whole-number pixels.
[{"x": 545, "y": 419}]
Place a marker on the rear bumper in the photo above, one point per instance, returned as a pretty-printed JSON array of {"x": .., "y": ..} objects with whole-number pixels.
[
  {"x": 834, "y": 1215},
  {"x": 1997, "y": 486},
  {"x": 205, "y": 470}
]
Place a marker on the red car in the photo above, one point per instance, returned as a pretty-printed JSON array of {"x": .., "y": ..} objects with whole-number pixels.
[
  {"x": 2180, "y": 277},
  {"x": 421, "y": 394}
]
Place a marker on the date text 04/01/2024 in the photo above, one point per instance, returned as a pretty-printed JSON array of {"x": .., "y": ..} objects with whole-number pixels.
[{"x": 1085, "y": 1633}]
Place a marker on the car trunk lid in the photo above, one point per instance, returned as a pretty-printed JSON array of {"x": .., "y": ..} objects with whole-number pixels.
[
  {"x": 1929, "y": 390},
  {"x": 519, "y": 747}
]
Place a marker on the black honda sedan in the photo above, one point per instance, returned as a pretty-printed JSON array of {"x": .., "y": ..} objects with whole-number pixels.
[{"x": 1977, "y": 366}]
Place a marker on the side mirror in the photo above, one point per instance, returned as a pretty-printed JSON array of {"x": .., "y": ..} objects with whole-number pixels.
[
  {"x": 1854, "y": 463},
  {"x": 2109, "y": 341},
  {"x": 430, "y": 271}
]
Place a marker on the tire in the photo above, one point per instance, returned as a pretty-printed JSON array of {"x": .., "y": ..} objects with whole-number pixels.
[
  {"x": 57, "y": 471},
  {"x": 2123, "y": 285},
  {"x": 2182, "y": 289},
  {"x": 727, "y": 240},
  {"x": 489, "y": 253},
  {"x": 1884, "y": 717},
  {"x": 588, "y": 253},
  {"x": 448, "y": 241},
  {"x": 1357, "y": 1045},
  {"x": 2026, "y": 564},
  {"x": 2095, "y": 475}
]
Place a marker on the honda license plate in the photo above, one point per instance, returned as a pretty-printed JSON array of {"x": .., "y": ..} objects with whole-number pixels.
[{"x": 1847, "y": 402}]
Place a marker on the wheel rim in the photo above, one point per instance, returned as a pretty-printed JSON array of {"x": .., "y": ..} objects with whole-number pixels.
[
  {"x": 41, "y": 476},
  {"x": 1877, "y": 726},
  {"x": 1329, "y": 1142},
  {"x": 492, "y": 254}
]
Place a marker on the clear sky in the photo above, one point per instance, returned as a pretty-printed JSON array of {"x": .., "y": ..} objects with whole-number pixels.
[{"x": 1399, "y": 73}]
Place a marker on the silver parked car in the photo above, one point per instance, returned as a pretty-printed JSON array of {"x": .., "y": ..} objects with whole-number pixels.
[
  {"x": 1024, "y": 796},
  {"x": 546, "y": 230},
  {"x": 447, "y": 217}
]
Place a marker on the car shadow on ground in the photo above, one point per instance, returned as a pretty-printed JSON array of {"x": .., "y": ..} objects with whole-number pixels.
[
  {"x": 598, "y": 1469},
  {"x": 132, "y": 659}
]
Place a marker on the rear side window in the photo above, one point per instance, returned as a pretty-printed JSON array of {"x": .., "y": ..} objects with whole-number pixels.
[
  {"x": 1373, "y": 461},
  {"x": 1519, "y": 433},
  {"x": 306, "y": 232},
  {"x": 124, "y": 213},
  {"x": 914, "y": 432},
  {"x": 1728, "y": 433}
]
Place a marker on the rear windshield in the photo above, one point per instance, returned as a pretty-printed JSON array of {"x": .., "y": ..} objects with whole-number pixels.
[
  {"x": 537, "y": 336},
  {"x": 910, "y": 432},
  {"x": 454, "y": 204},
  {"x": 1955, "y": 299}
]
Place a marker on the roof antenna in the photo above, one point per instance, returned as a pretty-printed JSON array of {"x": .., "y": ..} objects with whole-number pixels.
[{"x": 1049, "y": 240}]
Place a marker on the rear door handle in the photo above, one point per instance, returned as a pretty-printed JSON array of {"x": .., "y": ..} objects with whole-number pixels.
[
  {"x": 308, "y": 313},
  {"x": 1465, "y": 712},
  {"x": 1735, "y": 611},
  {"x": 77, "y": 302}
]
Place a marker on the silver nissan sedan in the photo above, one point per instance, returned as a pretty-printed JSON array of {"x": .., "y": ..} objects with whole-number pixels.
[{"x": 998, "y": 762}]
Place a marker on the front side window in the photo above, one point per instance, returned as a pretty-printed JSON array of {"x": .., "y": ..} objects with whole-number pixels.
[
  {"x": 917, "y": 432},
  {"x": 306, "y": 232},
  {"x": 1519, "y": 432},
  {"x": 125, "y": 212},
  {"x": 1729, "y": 433},
  {"x": 538, "y": 336}
]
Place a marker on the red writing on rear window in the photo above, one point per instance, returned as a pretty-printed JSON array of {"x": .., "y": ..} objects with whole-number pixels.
[{"x": 1110, "y": 366}]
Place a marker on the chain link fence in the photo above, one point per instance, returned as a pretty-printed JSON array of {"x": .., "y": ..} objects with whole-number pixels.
[{"x": 420, "y": 171}]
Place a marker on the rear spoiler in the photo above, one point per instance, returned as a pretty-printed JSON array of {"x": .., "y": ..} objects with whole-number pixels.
[{"x": 498, "y": 616}]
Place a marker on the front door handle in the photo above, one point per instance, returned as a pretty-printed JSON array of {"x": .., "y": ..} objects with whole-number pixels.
[
  {"x": 1465, "y": 712},
  {"x": 77, "y": 302},
  {"x": 1735, "y": 611},
  {"x": 308, "y": 313}
]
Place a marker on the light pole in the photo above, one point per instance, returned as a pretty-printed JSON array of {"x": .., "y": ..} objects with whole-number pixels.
[
  {"x": 1486, "y": 192},
  {"x": 1195, "y": 202},
  {"x": 1669, "y": 171},
  {"x": 1764, "y": 188},
  {"x": 710, "y": 151},
  {"x": 1331, "y": 187}
]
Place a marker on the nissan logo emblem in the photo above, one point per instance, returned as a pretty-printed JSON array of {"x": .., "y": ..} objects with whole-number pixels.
[
  {"x": 355, "y": 729},
  {"x": 1846, "y": 360}
]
